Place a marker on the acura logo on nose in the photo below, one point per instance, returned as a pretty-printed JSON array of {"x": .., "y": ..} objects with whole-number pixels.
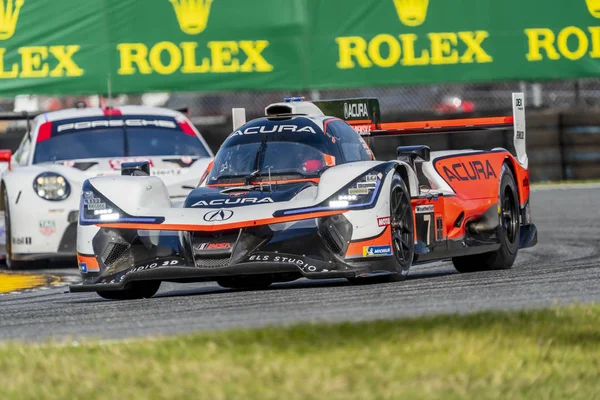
[{"x": 219, "y": 215}]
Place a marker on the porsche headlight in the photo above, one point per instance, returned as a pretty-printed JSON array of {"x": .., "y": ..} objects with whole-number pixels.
[
  {"x": 51, "y": 186},
  {"x": 358, "y": 193}
]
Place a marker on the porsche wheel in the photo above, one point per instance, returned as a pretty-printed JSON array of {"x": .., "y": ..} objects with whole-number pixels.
[
  {"x": 508, "y": 233},
  {"x": 136, "y": 290},
  {"x": 402, "y": 231}
]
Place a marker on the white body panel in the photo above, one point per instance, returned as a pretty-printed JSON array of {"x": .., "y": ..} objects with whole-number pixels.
[
  {"x": 141, "y": 189},
  {"x": 38, "y": 225}
]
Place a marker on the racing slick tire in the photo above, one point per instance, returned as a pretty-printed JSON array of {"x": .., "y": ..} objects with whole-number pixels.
[
  {"x": 402, "y": 228},
  {"x": 10, "y": 262},
  {"x": 136, "y": 290},
  {"x": 245, "y": 282},
  {"x": 508, "y": 233}
]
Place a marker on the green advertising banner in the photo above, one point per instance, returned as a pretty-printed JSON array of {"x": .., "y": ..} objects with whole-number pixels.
[{"x": 78, "y": 47}]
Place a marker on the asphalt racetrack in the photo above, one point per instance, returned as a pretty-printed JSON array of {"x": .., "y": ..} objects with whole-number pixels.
[{"x": 563, "y": 268}]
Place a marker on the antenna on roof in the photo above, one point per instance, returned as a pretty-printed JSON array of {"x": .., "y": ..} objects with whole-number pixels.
[{"x": 109, "y": 99}]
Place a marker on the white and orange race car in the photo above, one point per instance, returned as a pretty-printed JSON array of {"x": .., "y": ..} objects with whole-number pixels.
[{"x": 298, "y": 193}]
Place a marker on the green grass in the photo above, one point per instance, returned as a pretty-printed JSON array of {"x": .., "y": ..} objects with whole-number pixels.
[{"x": 522, "y": 355}]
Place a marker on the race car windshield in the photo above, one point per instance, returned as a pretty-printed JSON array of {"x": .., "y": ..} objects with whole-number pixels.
[
  {"x": 282, "y": 160},
  {"x": 117, "y": 141}
]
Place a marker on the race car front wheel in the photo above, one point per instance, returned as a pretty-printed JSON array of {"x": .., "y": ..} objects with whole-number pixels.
[
  {"x": 402, "y": 232},
  {"x": 136, "y": 290},
  {"x": 508, "y": 232}
]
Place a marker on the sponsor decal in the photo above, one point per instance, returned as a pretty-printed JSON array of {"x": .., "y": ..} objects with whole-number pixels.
[
  {"x": 105, "y": 123},
  {"x": 237, "y": 194},
  {"x": 274, "y": 129},
  {"x": 358, "y": 191},
  {"x": 116, "y": 163},
  {"x": 412, "y": 12},
  {"x": 374, "y": 251},
  {"x": 83, "y": 267},
  {"x": 192, "y": 15},
  {"x": 385, "y": 221},
  {"x": 56, "y": 211},
  {"x": 166, "y": 172},
  {"x": 9, "y": 16},
  {"x": 212, "y": 246},
  {"x": 166, "y": 263},
  {"x": 228, "y": 201},
  {"x": 424, "y": 209},
  {"x": 47, "y": 227},
  {"x": 356, "y": 110},
  {"x": 218, "y": 215},
  {"x": 364, "y": 130},
  {"x": 471, "y": 171},
  {"x": 302, "y": 264},
  {"x": 21, "y": 240}
]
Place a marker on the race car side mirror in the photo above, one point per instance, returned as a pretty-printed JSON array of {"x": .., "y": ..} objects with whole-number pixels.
[
  {"x": 409, "y": 154},
  {"x": 136, "y": 168},
  {"x": 5, "y": 156},
  {"x": 413, "y": 152}
]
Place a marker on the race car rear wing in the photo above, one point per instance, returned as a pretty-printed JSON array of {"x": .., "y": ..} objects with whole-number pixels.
[{"x": 364, "y": 115}]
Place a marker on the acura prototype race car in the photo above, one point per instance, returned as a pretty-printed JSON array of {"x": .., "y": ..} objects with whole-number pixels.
[
  {"x": 41, "y": 186},
  {"x": 300, "y": 194}
]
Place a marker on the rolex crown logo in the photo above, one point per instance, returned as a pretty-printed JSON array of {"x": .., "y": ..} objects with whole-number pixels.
[
  {"x": 192, "y": 15},
  {"x": 9, "y": 14},
  {"x": 593, "y": 7},
  {"x": 412, "y": 12}
]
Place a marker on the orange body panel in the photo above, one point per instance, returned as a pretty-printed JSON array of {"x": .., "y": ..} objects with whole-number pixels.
[
  {"x": 90, "y": 261},
  {"x": 355, "y": 249}
]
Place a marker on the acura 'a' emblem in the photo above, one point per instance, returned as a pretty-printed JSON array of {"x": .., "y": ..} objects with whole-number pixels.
[{"x": 218, "y": 215}]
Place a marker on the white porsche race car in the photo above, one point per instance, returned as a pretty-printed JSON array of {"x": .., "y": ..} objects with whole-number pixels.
[{"x": 41, "y": 185}]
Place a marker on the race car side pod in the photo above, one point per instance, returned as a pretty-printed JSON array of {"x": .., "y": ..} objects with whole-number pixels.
[{"x": 516, "y": 121}]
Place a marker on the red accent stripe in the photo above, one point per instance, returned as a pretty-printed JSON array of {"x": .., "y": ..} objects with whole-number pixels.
[
  {"x": 44, "y": 132},
  {"x": 220, "y": 227},
  {"x": 111, "y": 112},
  {"x": 448, "y": 123},
  {"x": 186, "y": 128}
]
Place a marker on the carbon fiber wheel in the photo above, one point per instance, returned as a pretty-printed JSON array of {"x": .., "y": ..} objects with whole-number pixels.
[{"x": 402, "y": 232}]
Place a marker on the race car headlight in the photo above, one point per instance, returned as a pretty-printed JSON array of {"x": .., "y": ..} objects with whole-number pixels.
[
  {"x": 51, "y": 186},
  {"x": 94, "y": 208},
  {"x": 361, "y": 192}
]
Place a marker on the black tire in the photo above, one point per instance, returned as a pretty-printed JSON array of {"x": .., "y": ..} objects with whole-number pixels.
[
  {"x": 402, "y": 226},
  {"x": 136, "y": 290},
  {"x": 245, "y": 282},
  {"x": 508, "y": 232},
  {"x": 9, "y": 261}
]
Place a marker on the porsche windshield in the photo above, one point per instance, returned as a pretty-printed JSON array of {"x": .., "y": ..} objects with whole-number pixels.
[
  {"x": 284, "y": 154},
  {"x": 130, "y": 137}
]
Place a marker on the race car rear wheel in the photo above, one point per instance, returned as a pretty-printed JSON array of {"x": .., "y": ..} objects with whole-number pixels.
[
  {"x": 10, "y": 262},
  {"x": 245, "y": 282},
  {"x": 402, "y": 228},
  {"x": 508, "y": 232},
  {"x": 136, "y": 290}
]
